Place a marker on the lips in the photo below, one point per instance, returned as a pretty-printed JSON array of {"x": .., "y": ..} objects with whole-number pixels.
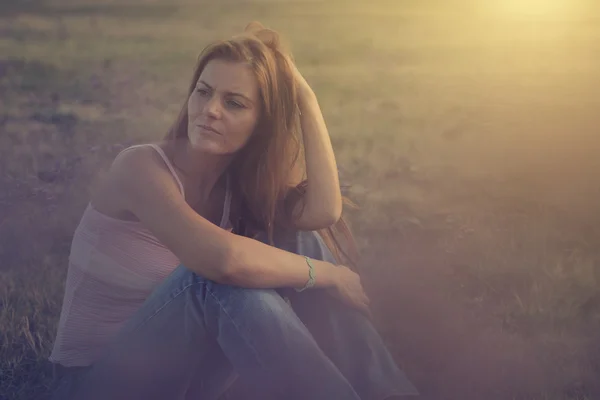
[{"x": 208, "y": 128}]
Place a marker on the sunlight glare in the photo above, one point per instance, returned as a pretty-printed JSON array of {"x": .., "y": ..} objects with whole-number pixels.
[{"x": 531, "y": 8}]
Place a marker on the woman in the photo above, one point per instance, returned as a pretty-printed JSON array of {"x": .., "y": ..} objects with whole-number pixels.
[{"x": 181, "y": 268}]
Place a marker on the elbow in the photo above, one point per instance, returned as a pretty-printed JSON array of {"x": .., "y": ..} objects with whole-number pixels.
[
  {"x": 321, "y": 220},
  {"x": 221, "y": 267},
  {"x": 328, "y": 219},
  {"x": 228, "y": 275},
  {"x": 336, "y": 213},
  {"x": 230, "y": 268},
  {"x": 330, "y": 216}
]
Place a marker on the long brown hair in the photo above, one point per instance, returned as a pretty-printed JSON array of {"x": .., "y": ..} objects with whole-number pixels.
[{"x": 262, "y": 170}]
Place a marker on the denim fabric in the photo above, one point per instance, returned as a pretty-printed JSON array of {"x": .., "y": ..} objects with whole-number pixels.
[{"x": 193, "y": 338}]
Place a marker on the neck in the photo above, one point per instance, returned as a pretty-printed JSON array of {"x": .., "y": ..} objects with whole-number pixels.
[{"x": 200, "y": 168}]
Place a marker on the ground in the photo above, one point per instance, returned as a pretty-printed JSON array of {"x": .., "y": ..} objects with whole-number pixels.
[{"x": 468, "y": 134}]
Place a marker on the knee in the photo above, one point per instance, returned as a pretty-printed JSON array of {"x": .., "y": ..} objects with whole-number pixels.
[{"x": 238, "y": 301}]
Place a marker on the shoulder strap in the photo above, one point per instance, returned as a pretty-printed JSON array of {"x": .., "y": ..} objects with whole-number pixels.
[
  {"x": 169, "y": 165},
  {"x": 162, "y": 155}
]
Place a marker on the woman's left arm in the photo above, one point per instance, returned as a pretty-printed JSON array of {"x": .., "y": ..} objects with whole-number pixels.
[{"x": 320, "y": 204}]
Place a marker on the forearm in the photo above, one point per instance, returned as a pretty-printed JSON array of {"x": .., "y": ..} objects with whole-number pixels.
[
  {"x": 322, "y": 199},
  {"x": 253, "y": 264}
]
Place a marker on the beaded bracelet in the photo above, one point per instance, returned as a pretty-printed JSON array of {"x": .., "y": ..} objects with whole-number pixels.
[{"x": 311, "y": 276}]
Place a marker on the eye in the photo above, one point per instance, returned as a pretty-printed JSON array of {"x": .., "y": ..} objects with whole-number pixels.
[
  {"x": 235, "y": 104},
  {"x": 202, "y": 91}
]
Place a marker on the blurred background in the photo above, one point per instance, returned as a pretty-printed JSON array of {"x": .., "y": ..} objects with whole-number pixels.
[{"x": 468, "y": 129}]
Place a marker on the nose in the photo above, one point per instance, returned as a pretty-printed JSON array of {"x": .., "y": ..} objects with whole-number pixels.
[{"x": 212, "y": 108}]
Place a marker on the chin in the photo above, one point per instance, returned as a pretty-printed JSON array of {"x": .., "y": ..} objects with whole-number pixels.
[{"x": 206, "y": 145}]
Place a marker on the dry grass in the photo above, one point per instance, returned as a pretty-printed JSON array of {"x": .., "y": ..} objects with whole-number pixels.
[{"x": 471, "y": 139}]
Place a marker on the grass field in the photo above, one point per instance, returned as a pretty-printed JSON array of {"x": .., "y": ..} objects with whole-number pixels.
[{"x": 469, "y": 131}]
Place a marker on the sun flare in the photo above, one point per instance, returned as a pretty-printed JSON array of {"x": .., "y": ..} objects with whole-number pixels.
[{"x": 532, "y": 8}]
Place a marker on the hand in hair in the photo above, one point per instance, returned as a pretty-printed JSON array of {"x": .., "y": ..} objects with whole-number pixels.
[{"x": 273, "y": 40}]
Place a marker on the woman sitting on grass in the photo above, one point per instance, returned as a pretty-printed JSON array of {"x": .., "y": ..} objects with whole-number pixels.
[{"x": 183, "y": 268}]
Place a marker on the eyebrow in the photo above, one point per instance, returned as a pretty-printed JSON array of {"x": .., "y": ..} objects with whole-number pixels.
[{"x": 229, "y": 93}]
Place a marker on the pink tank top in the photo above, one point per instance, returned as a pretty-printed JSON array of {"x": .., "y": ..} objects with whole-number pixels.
[{"x": 113, "y": 267}]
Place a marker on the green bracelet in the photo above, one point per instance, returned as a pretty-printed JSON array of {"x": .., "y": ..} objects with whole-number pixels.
[{"x": 311, "y": 276}]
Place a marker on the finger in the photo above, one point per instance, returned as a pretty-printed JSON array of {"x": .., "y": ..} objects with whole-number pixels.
[{"x": 254, "y": 26}]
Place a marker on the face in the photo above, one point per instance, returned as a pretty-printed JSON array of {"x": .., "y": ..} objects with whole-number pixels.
[{"x": 224, "y": 107}]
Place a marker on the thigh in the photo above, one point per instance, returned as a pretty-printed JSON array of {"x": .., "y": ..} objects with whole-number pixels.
[
  {"x": 168, "y": 291},
  {"x": 161, "y": 349}
]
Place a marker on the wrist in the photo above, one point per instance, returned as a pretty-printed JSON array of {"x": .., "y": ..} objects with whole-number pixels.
[{"x": 325, "y": 274}]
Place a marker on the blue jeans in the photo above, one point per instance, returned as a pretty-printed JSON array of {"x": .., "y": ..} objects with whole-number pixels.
[{"x": 193, "y": 338}]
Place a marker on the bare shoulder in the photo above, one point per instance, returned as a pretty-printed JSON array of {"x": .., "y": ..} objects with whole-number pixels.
[
  {"x": 134, "y": 160},
  {"x": 133, "y": 174}
]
